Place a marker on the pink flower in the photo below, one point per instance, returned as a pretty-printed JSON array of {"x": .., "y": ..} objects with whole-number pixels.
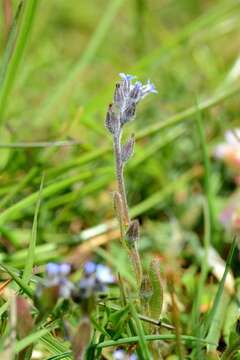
[{"x": 230, "y": 150}]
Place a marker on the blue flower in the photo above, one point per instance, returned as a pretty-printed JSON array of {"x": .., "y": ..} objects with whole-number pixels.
[
  {"x": 53, "y": 269},
  {"x": 126, "y": 97},
  {"x": 126, "y": 77},
  {"x": 104, "y": 274},
  {"x": 148, "y": 88},
  {"x": 121, "y": 354},
  {"x": 96, "y": 279},
  {"x": 90, "y": 267}
]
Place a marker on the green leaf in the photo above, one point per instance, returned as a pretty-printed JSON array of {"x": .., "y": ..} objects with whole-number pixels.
[{"x": 140, "y": 333}]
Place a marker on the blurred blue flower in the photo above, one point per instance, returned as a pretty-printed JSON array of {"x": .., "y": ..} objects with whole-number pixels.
[
  {"x": 90, "y": 267},
  {"x": 96, "y": 278},
  {"x": 104, "y": 274},
  {"x": 56, "y": 276},
  {"x": 121, "y": 354}
]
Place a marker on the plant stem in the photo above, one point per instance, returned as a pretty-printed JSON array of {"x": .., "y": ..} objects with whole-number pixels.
[{"x": 120, "y": 178}]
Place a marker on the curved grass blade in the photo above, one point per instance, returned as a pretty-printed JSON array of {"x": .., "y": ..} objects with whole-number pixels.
[{"x": 156, "y": 128}]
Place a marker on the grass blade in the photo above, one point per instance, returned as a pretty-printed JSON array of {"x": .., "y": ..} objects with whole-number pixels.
[
  {"x": 31, "y": 250},
  {"x": 211, "y": 321},
  {"x": 34, "y": 337},
  {"x": 140, "y": 332}
]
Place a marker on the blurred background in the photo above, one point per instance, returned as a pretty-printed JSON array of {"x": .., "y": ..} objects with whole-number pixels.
[{"x": 73, "y": 53}]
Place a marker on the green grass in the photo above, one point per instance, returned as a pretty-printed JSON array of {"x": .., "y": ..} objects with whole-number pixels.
[{"x": 58, "y": 68}]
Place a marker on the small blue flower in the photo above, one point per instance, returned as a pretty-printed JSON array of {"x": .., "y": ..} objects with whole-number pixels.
[
  {"x": 104, "y": 274},
  {"x": 126, "y": 77},
  {"x": 148, "y": 88},
  {"x": 90, "y": 267},
  {"x": 96, "y": 279},
  {"x": 121, "y": 354},
  {"x": 64, "y": 269},
  {"x": 52, "y": 269}
]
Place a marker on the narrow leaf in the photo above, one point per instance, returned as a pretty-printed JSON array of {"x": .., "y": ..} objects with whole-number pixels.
[{"x": 156, "y": 301}]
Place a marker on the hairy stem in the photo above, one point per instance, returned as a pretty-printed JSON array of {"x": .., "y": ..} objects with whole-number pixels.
[{"x": 120, "y": 178}]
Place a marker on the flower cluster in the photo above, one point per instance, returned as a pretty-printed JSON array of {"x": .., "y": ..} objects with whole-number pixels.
[
  {"x": 126, "y": 97},
  {"x": 96, "y": 278},
  {"x": 57, "y": 277}
]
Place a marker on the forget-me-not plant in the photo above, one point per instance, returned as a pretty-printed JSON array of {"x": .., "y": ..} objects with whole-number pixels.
[{"x": 127, "y": 95}]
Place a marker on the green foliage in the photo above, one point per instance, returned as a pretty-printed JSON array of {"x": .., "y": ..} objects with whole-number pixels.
[{"x": 59, "y": 63}]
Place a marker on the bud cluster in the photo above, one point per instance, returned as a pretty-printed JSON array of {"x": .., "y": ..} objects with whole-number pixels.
[{"x": 126, "y": 97}]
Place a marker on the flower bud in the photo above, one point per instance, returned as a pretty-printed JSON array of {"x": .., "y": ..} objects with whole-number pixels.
[
  {"x": 146, "y": 290},
  {"x": 118, "y": 96},
  {"x": 133, "y": 233},
  {"x": 128, "y": 113},
  {"x": 136, "y": 92},
  {"x": 127, "y": 149},
  {"x": 112, "y": 121}
]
